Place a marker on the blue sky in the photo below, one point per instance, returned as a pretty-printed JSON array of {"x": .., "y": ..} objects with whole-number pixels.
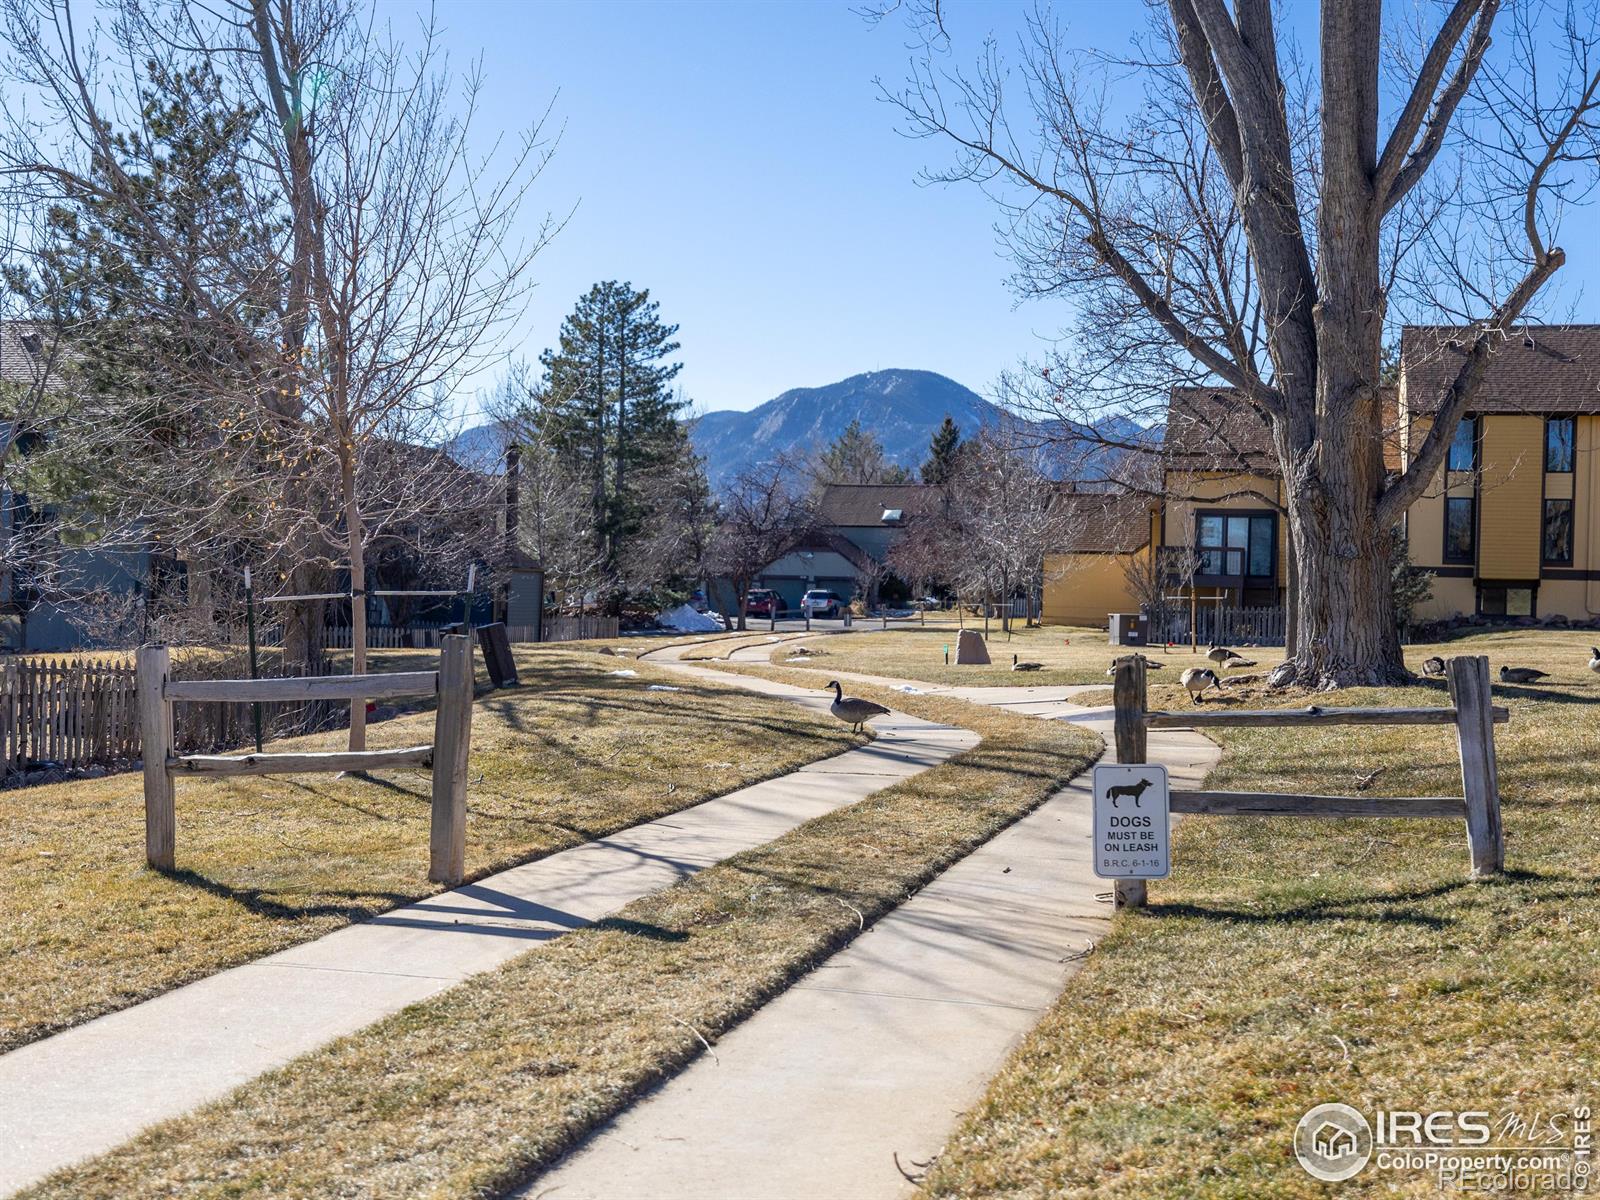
[{"x": 735, "y": 158}]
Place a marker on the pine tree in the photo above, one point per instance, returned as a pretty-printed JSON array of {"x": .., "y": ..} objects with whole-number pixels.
[
  {"x": 607, "y": 409},
  {"x": 942, "y": 451},
  {"x": 855, "y": 456}
]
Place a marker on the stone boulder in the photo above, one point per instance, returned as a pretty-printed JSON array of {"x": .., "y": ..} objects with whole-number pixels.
[{"x": 970, "y": 650}]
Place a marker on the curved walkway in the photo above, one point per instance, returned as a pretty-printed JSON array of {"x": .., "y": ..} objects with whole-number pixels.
[
  {"x": 852, "y": 1079},
  {"x": 92, "y": 1087}
]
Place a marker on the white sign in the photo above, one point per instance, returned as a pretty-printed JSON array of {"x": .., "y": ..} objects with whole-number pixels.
[{"x": 1132, "y": 837}]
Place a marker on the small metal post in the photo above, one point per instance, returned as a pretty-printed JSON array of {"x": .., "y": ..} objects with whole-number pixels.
[
  {"x": 466, "y": 603},
  {"x": 255, "y": 671}
]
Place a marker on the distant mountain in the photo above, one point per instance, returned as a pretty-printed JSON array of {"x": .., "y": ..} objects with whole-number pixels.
[
  {"x": 480, "y": 448},
  {"x": 902, "y": 407}
]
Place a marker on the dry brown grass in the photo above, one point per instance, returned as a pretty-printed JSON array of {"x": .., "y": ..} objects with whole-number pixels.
[
  {"x": 1069, "y": 655},
  {"x": 1291, "y": 962},
  {"x": 473, "y": 1091},
  {"x": 265, "y": 863}
]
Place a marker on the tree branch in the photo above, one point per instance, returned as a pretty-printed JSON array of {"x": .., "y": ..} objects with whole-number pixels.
[{"x": 1401, "y": 167}]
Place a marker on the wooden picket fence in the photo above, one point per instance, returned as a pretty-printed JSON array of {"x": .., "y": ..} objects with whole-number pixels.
[
  {"x": 73, "y": 713},
  {"x": 77, "y": 713}
]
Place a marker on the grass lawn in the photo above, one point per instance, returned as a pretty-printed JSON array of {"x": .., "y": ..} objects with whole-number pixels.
[
  {"x": 267, "y": 862},
  {"x": 1291, "y": 962},
  {"x": 473, "y": 1091},
  {"x": 1070, "y": 655}
]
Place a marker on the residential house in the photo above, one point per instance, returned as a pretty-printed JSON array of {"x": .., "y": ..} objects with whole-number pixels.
[
  {"x": 1509, "y": 527},
  {"x": 856, "y": 526},
  {"x": 1094, "y": 573}
]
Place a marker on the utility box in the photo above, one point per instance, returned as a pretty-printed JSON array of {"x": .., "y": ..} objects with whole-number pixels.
[{"x": 1129, "y": 629}]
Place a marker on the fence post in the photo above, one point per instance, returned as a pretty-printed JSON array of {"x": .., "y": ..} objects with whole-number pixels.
[
  {"x": 1132, "y": 738},
  {"x": 452, "y": 740},
  {"x": 155, "y": 728},
  {"x": 1469, "y": 692}
]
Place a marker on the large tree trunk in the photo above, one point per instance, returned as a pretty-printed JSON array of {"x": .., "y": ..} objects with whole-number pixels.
[{"x": 1345, "y": 631}]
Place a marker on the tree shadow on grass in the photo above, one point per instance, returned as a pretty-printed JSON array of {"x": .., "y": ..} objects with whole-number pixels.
[{"x": 1349, "y": 908}]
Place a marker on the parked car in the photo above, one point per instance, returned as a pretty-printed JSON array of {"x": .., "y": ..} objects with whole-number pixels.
[
  {"x": 820, "y": 603},
  {"x": 760, "y": 602}
]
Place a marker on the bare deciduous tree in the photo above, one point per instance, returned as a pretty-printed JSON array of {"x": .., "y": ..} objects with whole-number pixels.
[
  {"x": 386, "y": 233},
  {"x": 763, "y": 516},
  {"x": 1250, "y": 223}
]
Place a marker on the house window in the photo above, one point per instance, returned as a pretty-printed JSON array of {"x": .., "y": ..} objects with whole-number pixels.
[
  {"x": 1500, "y": 601},
  {"x": 1464, "y": 446},
  {"x": 1237, "y": 544},
  {"x": 1558, "y": 444},
  {"x": 1558, "y": 531},
  {"x": 1458, "y": 528}
]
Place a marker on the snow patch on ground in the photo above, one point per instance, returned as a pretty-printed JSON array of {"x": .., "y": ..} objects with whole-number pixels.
[{"x": 686, "y": 620}]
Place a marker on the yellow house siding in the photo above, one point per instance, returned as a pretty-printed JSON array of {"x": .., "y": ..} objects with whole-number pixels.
[
  {"x": 1080, "y": 589},
  {"x": 1510, "y": 516},
  {"x": 1205, "y": 490}
]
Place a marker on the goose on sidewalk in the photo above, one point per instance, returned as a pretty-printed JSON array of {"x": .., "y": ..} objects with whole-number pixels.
[
  {"x": 1025, "y": 666},
  {"x": 853, "y": 710}
]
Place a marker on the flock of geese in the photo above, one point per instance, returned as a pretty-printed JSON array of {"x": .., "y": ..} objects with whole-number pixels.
[{"x": 855, "y": 711}]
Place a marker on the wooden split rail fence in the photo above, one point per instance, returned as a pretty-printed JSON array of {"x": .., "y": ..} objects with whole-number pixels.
[
  {"x": 1473, "y": 715},
  {"x": 446, "y": 757}
]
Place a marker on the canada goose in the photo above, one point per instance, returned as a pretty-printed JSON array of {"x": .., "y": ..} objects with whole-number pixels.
[
  {"x": 853, "y": 710},
  {"x": 1594, "y": 659},
  {"x": 1433, "y": 665},
  {"x": 1150, "y": 664},
  {"x": 1522, "y": 675},
  {"x": 1025, "y": 666},
  {"x": 1197, "y": 680},
  {"x": 1221, "y": 654}
]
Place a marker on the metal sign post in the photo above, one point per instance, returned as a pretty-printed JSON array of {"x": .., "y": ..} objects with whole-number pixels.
[
  {"x": 255, "y": 672},
  {"x": 1132, "y": 826}
]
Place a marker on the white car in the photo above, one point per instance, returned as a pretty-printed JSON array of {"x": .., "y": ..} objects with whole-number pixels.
[{"x": 821, "y": 603}]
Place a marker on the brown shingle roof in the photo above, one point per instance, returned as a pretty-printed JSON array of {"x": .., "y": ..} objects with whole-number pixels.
[
  {"x": 1213, "y": 429},
  {"x": 1537, "y": 368},
  {"x": 25, "y": 352},
  {"x": 1106, "y": 522},
  {"x": 856, "y": 504}
]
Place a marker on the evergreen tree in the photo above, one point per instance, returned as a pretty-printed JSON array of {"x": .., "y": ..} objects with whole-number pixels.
[
  {"x": 942, "y": 451},
  {"x": 855, "y": 456},
  {"x": 607, "y": 409}
]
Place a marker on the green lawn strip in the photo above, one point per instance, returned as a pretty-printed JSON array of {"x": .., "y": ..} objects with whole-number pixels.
[
  {"x": 475, "y": 1090},
  {"x": 1290, "y": 962},
  {"x": 269, "y": 862}
]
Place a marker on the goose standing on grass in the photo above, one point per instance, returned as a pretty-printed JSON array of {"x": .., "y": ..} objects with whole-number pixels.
[
  {"x": 1197, "y": 680},
  {"x": 1594, "y": 659},
  {"x": 853, "y": 710},
  {"x": 1025, "y": 666},
  {"x": 1522, "y": 675},
  {"x": 1433, "y": 665},
  {"x": 1221, "y": 655}
]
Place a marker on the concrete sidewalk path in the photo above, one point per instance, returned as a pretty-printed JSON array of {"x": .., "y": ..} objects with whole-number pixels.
[
  {"x": 874, "y": 1056},
  {"x": 92, "y": 1087}
]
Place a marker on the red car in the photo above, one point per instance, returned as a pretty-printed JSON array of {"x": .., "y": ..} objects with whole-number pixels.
[{"x": 760, "y": 602}]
